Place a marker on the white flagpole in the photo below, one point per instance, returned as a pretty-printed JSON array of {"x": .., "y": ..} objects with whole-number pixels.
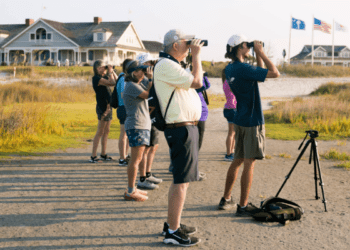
[
  {"x": 312, "y": 46},
  {"x": 333, "y": 44},
  {"x": 290, "y": 34}
]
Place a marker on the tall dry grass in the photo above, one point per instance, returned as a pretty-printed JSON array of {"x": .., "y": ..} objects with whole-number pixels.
[
  {"x": 328, "y": 113},
  {"x": 314, "y": 71},
  {"x": 26, "y": 115},
  {"x": 41, "y": 91},
  {"x": 51, "y": 71},
  {"x": 26, "y": 124}
]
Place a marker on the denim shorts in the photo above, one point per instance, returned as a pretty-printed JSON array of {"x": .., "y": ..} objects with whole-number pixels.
[
  {"x": 138, "y": 137},
  {"x": 121, "y": 114},
  {"x": 229, "y": 114}
]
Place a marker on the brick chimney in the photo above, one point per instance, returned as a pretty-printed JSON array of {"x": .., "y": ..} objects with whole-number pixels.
[
  {"x": 97, "y": 20},
  {"x": 29, "y": 22}
]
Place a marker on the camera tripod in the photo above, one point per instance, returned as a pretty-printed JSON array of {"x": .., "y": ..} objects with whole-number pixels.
[{"x": 313, "y": 156}]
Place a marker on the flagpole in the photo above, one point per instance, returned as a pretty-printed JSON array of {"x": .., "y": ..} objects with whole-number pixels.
[
  {"x": 312, "y": 46},
  {"x": 290, "y": 35},
  {"x": 333, "y": 44}
]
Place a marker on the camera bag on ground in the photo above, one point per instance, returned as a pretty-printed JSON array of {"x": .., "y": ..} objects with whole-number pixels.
[
  {"x": 114, "y": 97},
  {"x": 280, "y": 210}
]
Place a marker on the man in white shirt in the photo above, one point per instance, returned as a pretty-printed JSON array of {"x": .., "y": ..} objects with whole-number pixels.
[{"x": 181, "y": 131}]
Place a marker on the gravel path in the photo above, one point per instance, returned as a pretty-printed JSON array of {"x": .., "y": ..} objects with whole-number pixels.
[{"x": 60, "y": 201}]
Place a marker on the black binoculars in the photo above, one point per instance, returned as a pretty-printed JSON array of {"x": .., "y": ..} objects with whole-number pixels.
[
  {"x": 205, "y": 42},
  {"x": 251, "y": 45},
  {"x": 106, "y": 67}
]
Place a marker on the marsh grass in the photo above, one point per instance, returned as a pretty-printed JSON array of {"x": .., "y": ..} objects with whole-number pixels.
[
  {"x": 37, "y": 117},
  {"x": 326, "y": 110},
  {"x": 333, "y": 154},
  {"x": 41, "y": 91},
  {"x": 51, "y": 71},
  {"x": 284, "y": 155},
  {"x": 314, "y": 71},
  {"x": 345, "y": 165}
]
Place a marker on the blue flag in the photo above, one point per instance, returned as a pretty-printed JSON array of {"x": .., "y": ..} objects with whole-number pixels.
[{"x": 298, "y": 24}]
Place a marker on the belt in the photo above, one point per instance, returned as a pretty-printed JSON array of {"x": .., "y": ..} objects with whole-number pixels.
[{"x": 181, "y": 124}]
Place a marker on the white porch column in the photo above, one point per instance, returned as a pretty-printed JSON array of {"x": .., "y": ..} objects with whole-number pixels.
[
  {"x": 8, "y": 58},
  {"x": 108, "y": 56}
]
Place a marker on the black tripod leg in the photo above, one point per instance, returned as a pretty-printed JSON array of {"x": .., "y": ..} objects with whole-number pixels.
[
  {"x": 321, "y": 181},
  {"x": 314, "y": 154},
  {"x": 295, "y": 164}
]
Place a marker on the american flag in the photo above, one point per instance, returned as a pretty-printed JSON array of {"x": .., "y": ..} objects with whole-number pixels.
[{"x": 322, "y": 26}]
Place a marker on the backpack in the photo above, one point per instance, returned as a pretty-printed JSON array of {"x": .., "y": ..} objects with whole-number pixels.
[
  {"x": 155, "y": 112},
  {"x": 280, "y": 210},
  {"x": 114, "y": 97}
]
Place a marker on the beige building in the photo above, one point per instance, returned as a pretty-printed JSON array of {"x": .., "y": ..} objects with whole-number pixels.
[
  {"x": 45, "y": 41},
  {"x": 323, "y": 55}
]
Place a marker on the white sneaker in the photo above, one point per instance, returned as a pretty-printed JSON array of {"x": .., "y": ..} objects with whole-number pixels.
[
  {"x": 154, "y": 179},
  {"x": 147, "y": 185}
]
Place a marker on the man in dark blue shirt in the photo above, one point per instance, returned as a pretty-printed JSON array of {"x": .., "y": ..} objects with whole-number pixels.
[{"x": 249, "y": 119}]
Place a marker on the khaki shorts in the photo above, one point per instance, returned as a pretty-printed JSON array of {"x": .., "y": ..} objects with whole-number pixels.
[{"x": 250, "y": 142}]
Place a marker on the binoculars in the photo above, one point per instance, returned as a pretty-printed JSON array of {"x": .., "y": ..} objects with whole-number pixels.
[
  {"x": 106, "y": 67},
  {"x": 251, "y": 45},
  {"x": 205, "y": 42}
]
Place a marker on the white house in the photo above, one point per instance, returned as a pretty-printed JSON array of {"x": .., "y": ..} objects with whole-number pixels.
[
  {"x": 323, "y": 55},
  {"x": 43, "y": 41}
]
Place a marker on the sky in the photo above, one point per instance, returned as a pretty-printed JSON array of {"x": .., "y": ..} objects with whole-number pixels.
[{"x": 215, "y": 20}]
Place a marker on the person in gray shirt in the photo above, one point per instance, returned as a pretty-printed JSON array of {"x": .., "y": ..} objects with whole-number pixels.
[{"x": 137, "y": 123}]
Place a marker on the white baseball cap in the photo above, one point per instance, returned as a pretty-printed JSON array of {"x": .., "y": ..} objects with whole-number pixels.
[
  {"x": 145, "y": 57},
  {"x": 175, "y": 35},
  {"x": 236, "y": 40}
]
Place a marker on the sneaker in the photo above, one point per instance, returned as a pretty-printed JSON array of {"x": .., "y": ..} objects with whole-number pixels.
[
  {"x": 147, "y": 185},
  {"x": 249, "y": 210},
  {"x": 106, "y": 158},
  {"x": 225, "y": 205},
  {"x": 135, "y": 196},
  {"x": 202, "y": 176},
  {"x": 128, "y": 157},
  {"x": 229, "y": 157},
  {"x": 94, "y": 159},
  {"x": 180, "y": 238},
  {"x": 141, "y": 192},
  {"x": 123, "y": 162},
  {"x": 187, "y": 230},
  {"x": 154, "y": 179}
]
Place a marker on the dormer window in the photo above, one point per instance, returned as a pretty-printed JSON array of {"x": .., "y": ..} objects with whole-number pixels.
[
  {"x": 41, "y": 34},
  {"x": 100, "y": 37}
]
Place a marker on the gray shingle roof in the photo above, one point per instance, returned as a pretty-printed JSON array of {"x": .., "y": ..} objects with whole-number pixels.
[
  {"x": 82, "y": 33},
  {"x": 153, "y": 46},
  {"x": 13, "y": 30}
]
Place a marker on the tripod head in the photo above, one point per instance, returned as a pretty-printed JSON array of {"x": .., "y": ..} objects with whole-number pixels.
[{"x": 312, "y": 133}]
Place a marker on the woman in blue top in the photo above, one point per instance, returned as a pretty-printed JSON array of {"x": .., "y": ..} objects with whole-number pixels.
[
  {"x": 121, "y": 114},
  {"x": 101, "y": 82}
]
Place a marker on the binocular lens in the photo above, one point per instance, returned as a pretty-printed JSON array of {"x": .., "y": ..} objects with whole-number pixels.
[
  {"x": 106, "y": 67},
  {"x": 205, "y": 42}
]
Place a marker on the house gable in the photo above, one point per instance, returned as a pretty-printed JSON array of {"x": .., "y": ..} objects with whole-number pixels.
[
  {"x": 29, "y": 37},
  {"x": 130, "y": 38}
]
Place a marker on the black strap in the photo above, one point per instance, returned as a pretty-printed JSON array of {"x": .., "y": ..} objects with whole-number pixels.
[
  {"x": 166, "y": 110},
  {"x": 171, "y": 97},
  {"x": 277, "y": 199}
]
